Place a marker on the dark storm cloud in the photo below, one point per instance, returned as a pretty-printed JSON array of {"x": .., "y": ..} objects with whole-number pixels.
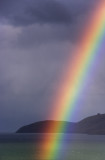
[
  {"x": 26, "y": 12},
  {"x": 49, "y": 12},
  {"x": 44, "y": 21}
]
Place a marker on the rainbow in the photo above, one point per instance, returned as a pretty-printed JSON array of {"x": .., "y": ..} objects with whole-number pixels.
[{"x": 77, "y": 72}]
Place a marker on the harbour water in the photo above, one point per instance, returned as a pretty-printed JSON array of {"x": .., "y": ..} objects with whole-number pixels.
[{"x": 72, "y": 147}]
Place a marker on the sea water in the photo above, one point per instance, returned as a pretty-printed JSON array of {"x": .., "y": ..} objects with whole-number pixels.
[{"x": 72, "y": 146}]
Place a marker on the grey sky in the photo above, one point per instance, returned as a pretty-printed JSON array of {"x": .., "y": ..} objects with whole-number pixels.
[{"x": 36, "y": 39}]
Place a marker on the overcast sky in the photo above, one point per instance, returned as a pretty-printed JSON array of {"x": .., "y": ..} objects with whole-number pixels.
[{"x": 36, "y": 39}]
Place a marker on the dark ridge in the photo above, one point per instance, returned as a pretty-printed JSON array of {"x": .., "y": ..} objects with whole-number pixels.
[{"x": 90, "y": 125}]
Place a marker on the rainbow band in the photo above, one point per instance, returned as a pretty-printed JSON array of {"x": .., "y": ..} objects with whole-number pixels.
[{"x": 76, "y": 74}]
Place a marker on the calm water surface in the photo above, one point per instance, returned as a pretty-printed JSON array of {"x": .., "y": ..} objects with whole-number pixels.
[{"x": 72, "y": 147}]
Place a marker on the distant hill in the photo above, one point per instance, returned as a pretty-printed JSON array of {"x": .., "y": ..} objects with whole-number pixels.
[{"x": 90, "y": 125}]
